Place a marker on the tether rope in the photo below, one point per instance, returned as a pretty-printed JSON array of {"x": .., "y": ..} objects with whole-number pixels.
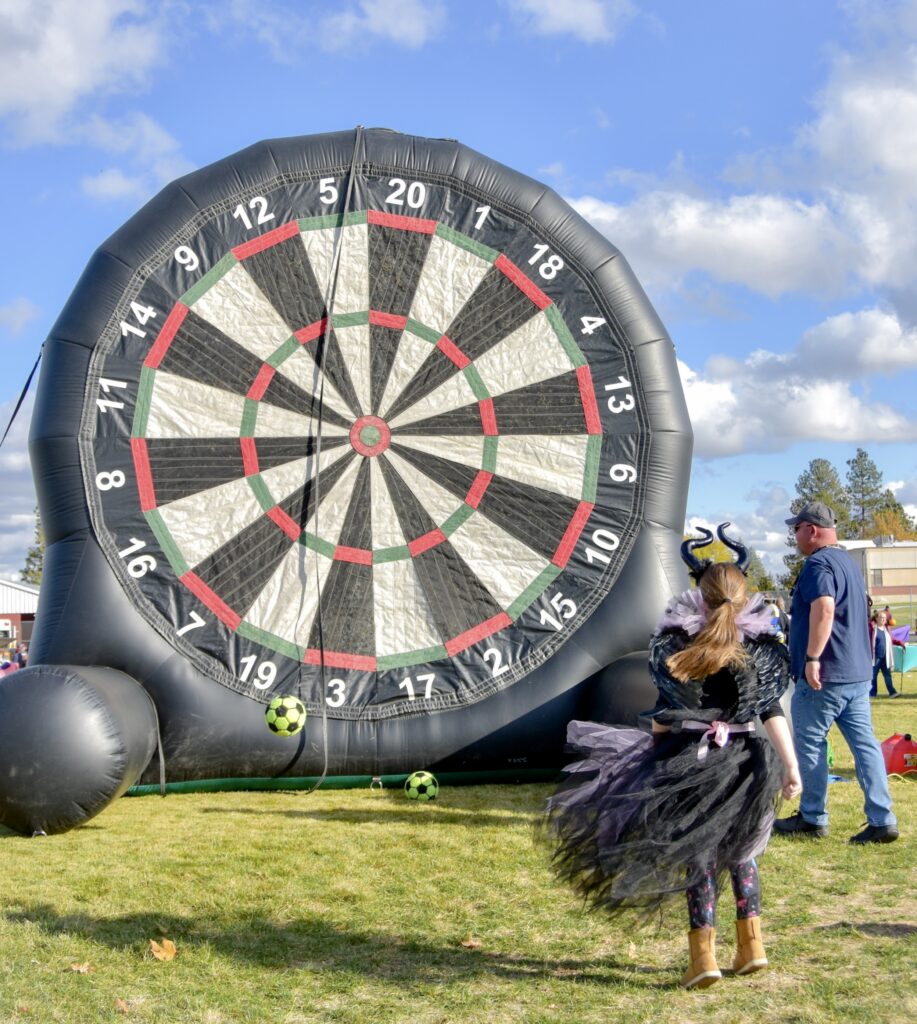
[{"x": 330, "y": 292}]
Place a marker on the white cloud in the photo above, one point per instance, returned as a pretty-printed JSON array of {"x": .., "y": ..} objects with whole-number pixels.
[
  {"x": 17, "y": 520},
  {"x": 735, "y": 414},
  {"x": 835, "y": 208},
  {"x": 56, "y": 53},
  {"x": 149, "y": 149},
  {"x": 906, "y": 492},
  {"x": 757, "y": 521},
  {"x": 286, "y": 31},
  {"x": 16, "y": 315},
  {"x": 112, "y": 184},
  {"x": 846, "y": 347},
  {"x": 592, "y": 21},
  {"x": 408, "y": 23},
  {"x": 767, "y": 243}
]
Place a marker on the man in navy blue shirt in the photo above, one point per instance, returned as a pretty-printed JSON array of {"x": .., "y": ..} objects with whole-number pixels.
[{"x": 830, "y": 659}]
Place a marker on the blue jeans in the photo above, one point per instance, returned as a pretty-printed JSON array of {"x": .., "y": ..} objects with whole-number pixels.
[
  {"x": 878, "y": 667},
  {"x": 814, "y": 712}
]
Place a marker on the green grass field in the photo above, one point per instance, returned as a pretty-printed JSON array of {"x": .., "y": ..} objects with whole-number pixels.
[{"x": 358, "y": 906}]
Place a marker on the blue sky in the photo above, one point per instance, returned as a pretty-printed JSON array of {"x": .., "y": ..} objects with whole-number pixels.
[{"x": 756, "y": 164}]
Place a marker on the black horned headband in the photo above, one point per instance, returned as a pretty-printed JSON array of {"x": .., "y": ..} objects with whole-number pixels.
[{"x": 696, "y": 567}]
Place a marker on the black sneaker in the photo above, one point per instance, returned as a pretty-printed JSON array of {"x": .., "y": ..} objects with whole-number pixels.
[
  {"x": 796, "y": 825},
  {"x": 875, "y": 834}
]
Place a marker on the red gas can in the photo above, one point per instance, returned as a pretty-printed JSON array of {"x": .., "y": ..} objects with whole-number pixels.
[{"x": 900, "y": 753}]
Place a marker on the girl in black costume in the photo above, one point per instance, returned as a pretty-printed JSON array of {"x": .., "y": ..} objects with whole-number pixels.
[{"x": 643, "y": 818}]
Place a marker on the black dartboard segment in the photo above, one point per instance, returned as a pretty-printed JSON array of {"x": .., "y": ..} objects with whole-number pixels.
[{"x": 397, "y": 451}]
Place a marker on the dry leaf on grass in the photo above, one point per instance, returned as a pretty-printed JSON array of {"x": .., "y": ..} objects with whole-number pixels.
[
  {"x": 122, "y": 1007},
  {"x": 164, "y": 950},
  {"x": 471, "y": 943},
  {"x": 86, "y": 968}
]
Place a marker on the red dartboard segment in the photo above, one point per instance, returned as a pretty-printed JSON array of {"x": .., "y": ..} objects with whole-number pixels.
[
  {"x": 339, "y": 659},
  {"x": 249, "y": 455},
  {"x": 261, "y": 382},
  {"x": 380, "y": 319},
  {"x": 311, "y": 331},
  {"x": 426, "y": 541},
  {"x": 169, "y": 329},
  {"x": 207, "y": 597},
  {"x": 479, "y": 632},
  {"x": 477, "y": 489},
  {"x": 488, "y": 416},
  {"x": 359, "y": 556},
  {"x": 590, "y": 406},
  {"x": 145, "y": 487},
  {"x": 266, "y": 240},
  {"x": 401, "y": 223},
  {"x": 286, "y": 523},
  {"x": 568, "y": 543},
  {"x": 522, "y": 281},
  {"x": 452, "y": 352}
]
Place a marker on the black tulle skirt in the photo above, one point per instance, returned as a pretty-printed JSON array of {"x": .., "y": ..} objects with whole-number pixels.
[{"x": 636, "y": 821}]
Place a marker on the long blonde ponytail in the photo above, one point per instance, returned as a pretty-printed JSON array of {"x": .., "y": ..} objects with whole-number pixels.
[{"x": 718, "y": 644}]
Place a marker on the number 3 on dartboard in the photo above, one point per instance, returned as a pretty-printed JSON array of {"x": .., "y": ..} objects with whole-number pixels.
[{"x": 338, "y": 693}]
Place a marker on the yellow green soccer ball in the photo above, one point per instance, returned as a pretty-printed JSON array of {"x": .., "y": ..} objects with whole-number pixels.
[
  {"x": 285, "y": 716},
  {"x": 421, "y": 786}
]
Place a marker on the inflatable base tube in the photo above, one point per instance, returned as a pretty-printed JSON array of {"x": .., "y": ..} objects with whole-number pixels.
[
  {"x": 72, "y": 740},
  {"x": 620, "y": 692},
  {"x": 388, "y": 782}
]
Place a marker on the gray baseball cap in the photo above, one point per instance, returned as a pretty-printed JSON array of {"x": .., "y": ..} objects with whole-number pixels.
[{"x": 815, "y": 512}]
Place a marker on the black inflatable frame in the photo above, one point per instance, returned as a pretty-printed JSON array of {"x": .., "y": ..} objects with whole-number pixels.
[{"x": 208, "y": 731}]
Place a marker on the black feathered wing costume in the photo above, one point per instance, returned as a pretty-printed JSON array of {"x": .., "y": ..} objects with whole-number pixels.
[{"x": 639, "y": 816}]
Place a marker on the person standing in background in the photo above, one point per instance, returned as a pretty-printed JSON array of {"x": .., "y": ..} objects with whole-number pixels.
[
  {"x": 831, "y": 663},
  {"x": 881, "y": 642}
]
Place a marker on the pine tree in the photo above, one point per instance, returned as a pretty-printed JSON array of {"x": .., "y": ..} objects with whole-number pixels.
[
  {"x": 865, "y": 487},
  {"x": 819, "y": 482},
  {"x": 35, "y": 556},
  {"x": 758, "y": 577}
]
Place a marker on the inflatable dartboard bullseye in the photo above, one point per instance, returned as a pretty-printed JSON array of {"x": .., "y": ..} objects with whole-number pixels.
[{"x": 372, "y": 420}]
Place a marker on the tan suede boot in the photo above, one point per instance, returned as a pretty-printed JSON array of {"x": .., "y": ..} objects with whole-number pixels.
[
  {"x": 702, "y": 971},
  {"x": 750, "y": 955}
]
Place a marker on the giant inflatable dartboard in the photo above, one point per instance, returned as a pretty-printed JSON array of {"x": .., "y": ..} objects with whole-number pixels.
[
  {"x": 367, "y": 418},
  {"x": 383, "y": 424}
]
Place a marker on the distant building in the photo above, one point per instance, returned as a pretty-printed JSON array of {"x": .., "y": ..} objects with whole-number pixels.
[
  {"x": 889, "y": 567},
  {"x": 18, "y": 602}
]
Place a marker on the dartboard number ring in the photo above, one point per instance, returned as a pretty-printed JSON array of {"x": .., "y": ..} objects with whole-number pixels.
[{"x": 392, "y": 456}]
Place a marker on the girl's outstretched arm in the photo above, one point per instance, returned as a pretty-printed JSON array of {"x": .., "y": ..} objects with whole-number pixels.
[{"x": 779, "y": 733}]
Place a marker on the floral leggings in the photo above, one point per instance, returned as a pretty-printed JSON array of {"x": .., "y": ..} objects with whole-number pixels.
[{"x": 702, "y": 897}]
